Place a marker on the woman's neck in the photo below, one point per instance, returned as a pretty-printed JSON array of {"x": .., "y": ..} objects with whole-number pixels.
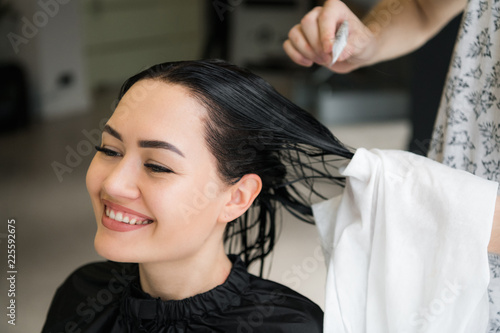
[{"x": 185, "y": 278}]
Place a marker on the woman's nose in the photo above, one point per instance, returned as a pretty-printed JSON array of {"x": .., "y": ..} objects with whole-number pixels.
[{"x": 123, "y": 180}]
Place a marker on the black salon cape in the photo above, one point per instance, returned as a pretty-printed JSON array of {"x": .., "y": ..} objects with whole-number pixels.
[{"x": 107, "y": 297}]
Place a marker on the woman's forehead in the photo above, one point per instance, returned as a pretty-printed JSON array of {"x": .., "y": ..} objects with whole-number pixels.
[{"x": 159, "y": 111}]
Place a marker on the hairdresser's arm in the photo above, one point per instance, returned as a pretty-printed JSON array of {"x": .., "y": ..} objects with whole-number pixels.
[
  {"x": 494, "y": 245},
  {"x": 393, "y": 28}
]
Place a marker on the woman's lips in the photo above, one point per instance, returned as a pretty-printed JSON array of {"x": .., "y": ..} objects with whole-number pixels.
[
  {"x": 119, "y": 218},
  {"x": 125, "y": 210}
]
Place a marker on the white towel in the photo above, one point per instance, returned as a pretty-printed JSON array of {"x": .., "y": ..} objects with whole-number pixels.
[{"x": 406, "y": 246}]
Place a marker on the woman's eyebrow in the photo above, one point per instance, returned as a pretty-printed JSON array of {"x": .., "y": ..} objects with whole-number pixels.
[
  {"x": 160, "y": 144},
  {"x": 110, "y": 130},
  {"x": 145, "y": 143}
]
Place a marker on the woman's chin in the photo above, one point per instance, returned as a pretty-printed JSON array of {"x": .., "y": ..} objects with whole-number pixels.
[{"x": 111, "y": 251}]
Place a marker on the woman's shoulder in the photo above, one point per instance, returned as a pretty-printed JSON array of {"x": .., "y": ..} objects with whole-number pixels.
[
  {"x": 104, "y": 271},
  {"x": 99, "y": 276},
  {"x": 292, "y": 311},
  {"x": 87, "y": 291}
]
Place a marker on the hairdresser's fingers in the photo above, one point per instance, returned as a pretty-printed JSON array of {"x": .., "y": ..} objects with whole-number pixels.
[
  {"x": 306, "y": 41},
  {"x": 295, "y": 55},
  {"x": 310, "y": 30},
  {"x": 359, "y": 50},
  {"x": 333, "y": 13},
  {"x": 300, "y": 44}
]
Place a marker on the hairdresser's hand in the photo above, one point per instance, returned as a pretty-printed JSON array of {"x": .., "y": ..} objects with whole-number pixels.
[{"x": 311, "y": 41}]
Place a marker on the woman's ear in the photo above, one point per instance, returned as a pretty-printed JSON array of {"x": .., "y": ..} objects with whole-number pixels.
[{"x": 243, "y": 193}]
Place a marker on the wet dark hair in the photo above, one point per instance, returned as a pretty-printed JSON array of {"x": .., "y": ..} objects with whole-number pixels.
[{"x": 252, "y": 129}]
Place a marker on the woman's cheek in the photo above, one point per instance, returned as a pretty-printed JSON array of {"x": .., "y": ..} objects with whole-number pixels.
[
  {"x": 91, "y": 178},
  {"x": 96, "y": 175}
]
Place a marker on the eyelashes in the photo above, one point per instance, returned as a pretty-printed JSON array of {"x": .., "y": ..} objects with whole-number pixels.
[
  {"x": 152, "y": 167},
  {"x": 107, "y": 151},
  {"x": 157, "y": 168}
]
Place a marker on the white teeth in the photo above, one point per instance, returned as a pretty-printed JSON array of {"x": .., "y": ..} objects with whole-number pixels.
[
  {"x": 125, "y": 219},
  {"x": 119, "y": 216}
]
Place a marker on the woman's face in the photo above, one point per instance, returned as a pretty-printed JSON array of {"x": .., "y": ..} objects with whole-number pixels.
[{"x": 154, "y": 170}]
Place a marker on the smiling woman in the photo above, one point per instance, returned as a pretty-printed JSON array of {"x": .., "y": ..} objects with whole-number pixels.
[{"x": 193, "y": 165}]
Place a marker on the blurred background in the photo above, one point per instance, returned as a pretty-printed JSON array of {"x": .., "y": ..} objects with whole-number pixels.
[{"x": 62, "y": 63}]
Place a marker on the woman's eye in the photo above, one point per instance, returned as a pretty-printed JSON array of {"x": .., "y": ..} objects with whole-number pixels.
[
  {"x": 157, "y": 168},
  {"x": 107, "y": 151}
]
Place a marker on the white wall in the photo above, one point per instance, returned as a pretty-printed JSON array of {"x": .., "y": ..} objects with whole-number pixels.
[{"x": 123, "y": 37}]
